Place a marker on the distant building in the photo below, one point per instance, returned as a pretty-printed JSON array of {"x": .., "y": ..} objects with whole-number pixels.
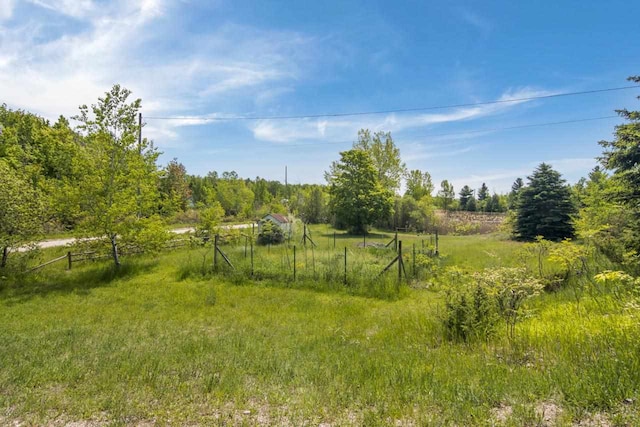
[{"x": 280, "y": 220}]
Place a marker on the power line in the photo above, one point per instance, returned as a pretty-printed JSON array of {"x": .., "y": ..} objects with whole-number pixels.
[
  {"x": 402, "y": 110},
  {"x": 589, "y": 119}
]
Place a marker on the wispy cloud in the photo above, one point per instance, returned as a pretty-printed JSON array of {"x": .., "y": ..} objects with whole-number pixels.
[
  {"x": 500, "y": 180},
  {"x": 73, "y": 8},
  {"x": 53, "y": 72},
  {"x": 337, "y": 129},
  {"x": 6, "y": 9},
  {"x": 475, "y": 20}
]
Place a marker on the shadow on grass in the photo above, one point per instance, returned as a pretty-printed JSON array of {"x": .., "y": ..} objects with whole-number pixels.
[{"x": 81, "y": 281}]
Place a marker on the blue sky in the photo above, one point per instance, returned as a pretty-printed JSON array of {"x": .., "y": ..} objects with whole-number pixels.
[{"x": 274, "y": 58}]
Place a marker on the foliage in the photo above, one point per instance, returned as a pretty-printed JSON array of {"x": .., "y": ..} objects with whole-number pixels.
[
  {"x": 466, "y": 195},
  {"x": 544, "y": 207},
  {"x": 210, "y": 218},
  {"x": 270, "y": 233},
  {"x": 419, "y": 184},
  {"x": 495, "y": 203},
  {"x": 483, "y": 195},
  {"x": 446, "y": 194},
  {"x": 510, "y": 287},
  {"x": 385, "y": 157},
  {"x": 538, "y": 249},
  {"x": 314, "y": 206},
  {"x": 624, "y": 287},
  {"x": 119, "y": 185},
  {"x": 622, "y": 156},
  {"x": 413, "y": 215},
  {"x": 147, "y": 235},
  {"x": 514, "y": 194},
  {"x": 21, "y": 210},
  {"x": 234, "y": 196},
  {"x": 472, "y": 311},
  {"x": 601, "y": 220},
  {"x": 573, "y": 260},
  {"x": 174, "y": 188},
  {"x": 357, "y": 197}
]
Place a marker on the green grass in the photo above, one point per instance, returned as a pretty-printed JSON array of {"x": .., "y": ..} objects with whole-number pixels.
[{"x": 150, "y": 344}]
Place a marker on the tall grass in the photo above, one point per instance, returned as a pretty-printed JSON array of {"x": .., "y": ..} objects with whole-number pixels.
[{"x": 158, "y": 343}]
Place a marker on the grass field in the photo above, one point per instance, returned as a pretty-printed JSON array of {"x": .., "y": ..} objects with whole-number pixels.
[{"x": 155, "y": 345}]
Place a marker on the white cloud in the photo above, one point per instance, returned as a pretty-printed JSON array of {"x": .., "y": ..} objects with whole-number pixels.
[
  {"x": 6, "y": 9},
  {"x": 117, "y": 42},
  {"x": 346, "y": 128},
  {"x": 500, "y": 180}
]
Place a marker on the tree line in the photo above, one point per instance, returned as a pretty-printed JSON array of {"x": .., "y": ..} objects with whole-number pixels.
[{"x": 102, "y": 178}]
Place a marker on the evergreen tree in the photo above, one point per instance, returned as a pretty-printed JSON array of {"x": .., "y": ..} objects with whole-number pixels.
[
  {"x": 622, "y": 156},
  {"x": 515, "y": 191},
  {"x": 472, "y": 205},
  {"x": 483, "y": 195},
  {"x": 545, "y": 207},
  {"x": 466, "y": 194}
]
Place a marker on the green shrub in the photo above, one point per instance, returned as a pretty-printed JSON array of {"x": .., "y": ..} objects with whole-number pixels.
[
  {"x": 270, "y": 234},
  {"x": 472, "y": 311}
]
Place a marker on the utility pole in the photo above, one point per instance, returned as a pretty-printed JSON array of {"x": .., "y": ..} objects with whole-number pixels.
[
  {"x": 139, "y": 133},
  {"x": 286, "y": 184},
  {"x": 139, "y": 154}
]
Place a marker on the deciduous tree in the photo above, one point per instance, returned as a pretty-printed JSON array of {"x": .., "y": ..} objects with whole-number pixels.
[
  {"x": 384, "y": 155},
  {"x": 120, "y": 176},
  {"x": 358, "y": 198},
  {"x": 419, "y": 184},
  {"x": 21, "y": 210},
  {"x": 446, "y": 194}
]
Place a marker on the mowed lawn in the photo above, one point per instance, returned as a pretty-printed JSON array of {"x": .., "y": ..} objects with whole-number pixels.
[{"x": 146, "y": 348}]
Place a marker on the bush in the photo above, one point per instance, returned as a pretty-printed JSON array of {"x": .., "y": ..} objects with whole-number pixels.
[
  {"x": 472, "y": 312},
  {"x": 270, "y": 233}
]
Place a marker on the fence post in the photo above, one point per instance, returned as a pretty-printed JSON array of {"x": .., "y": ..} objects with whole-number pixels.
[
  {"x": 334, "y": 240},
  {"x": 396, "y": 241},
  {"x": 294, "y": 263},
  {"x": 345, "y": 265},
  {"x": 246, "y": 239},
  {"x": 69, "y": 260},
  {"x": 251, "y": 259},
  {"x": 399, "y": 261},
  {"x": 215, "y": 252},
  {"x": 414, "y": 260},
  {"x": 437, "y": 250},
  {"x": 364, "y": 239}
]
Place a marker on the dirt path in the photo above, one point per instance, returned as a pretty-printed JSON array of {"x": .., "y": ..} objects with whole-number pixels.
[{"x": 52, "y": 243}]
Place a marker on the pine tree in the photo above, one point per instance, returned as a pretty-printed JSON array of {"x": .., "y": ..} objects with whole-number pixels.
[
  {"x": 466, "y": 194},
  {"x": 544, "y": 207},
  {"x": 483, "y": 195},
  {"x": 515, "y": 192}
]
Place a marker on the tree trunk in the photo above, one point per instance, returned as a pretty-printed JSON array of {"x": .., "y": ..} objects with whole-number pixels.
[
  {"x": 114, "y": 251},
  {"x": 5, "y": 254}
]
